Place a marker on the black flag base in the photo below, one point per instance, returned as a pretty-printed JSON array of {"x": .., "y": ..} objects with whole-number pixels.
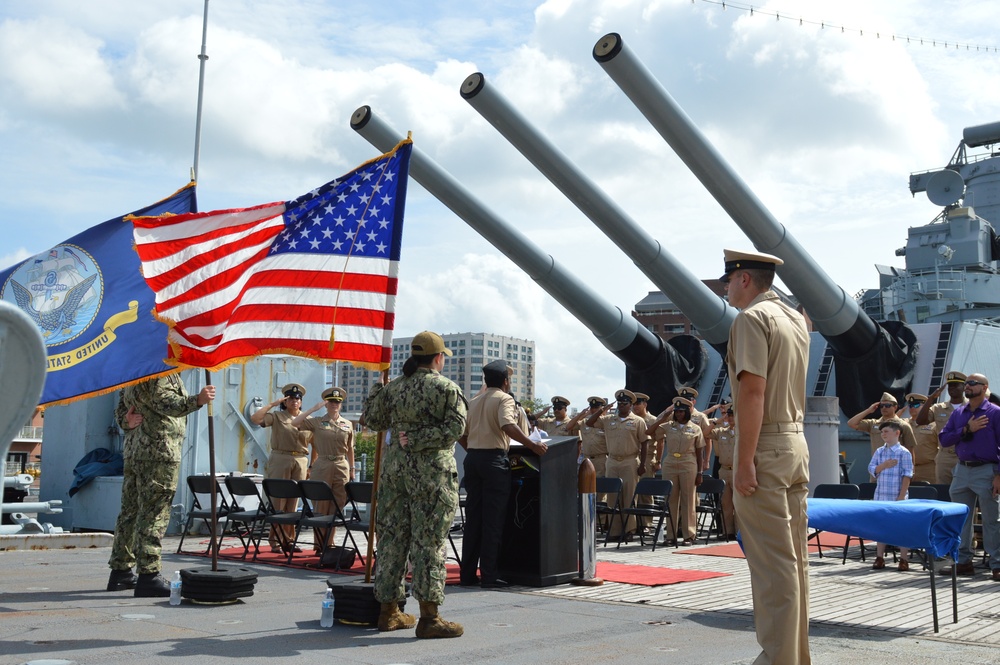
[
  {"x": 217, "y": 587},
  {"x": 354, "y": 603}
]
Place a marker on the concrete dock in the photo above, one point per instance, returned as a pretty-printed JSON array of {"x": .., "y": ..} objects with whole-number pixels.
[{"x": 53, "y": 608}]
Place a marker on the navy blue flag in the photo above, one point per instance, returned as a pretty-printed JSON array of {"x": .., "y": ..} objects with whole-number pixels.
[{"x": 93, "y": 308}]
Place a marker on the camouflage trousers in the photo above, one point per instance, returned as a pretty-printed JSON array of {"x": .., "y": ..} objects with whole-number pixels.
[
  {"x": 417, "y": 498},
  {"x": 147, "y": 492}
]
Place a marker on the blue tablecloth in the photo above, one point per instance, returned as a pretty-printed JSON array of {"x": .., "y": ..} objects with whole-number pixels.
[{"x": 934, "y": 526}]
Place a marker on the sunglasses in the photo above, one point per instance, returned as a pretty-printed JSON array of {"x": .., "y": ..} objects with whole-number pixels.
[
  {"x": 973, "y": 382},
  {"x": 886, "y": 405},
  {"x": 915, "y": 403}
]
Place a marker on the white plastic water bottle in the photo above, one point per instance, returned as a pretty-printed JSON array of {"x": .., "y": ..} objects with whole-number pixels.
[
  {"x": 175, "y": 588},
  {"x": 326, "y": 618}
]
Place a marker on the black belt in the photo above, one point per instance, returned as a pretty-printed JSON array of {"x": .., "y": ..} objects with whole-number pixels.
[
  {"x": 974, "y": 463},
  {"x": 495, "y": 451}
]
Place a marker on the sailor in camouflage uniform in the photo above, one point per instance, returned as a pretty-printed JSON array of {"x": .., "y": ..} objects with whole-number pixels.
[
  {"x": 153, "y": 416},
  {"x": 418, "y": 484}
]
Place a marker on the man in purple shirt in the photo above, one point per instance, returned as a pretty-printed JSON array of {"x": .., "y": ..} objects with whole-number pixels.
[{"x": 974, "y": 430}]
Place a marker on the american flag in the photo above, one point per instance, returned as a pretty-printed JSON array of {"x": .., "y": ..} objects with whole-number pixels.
[{"x": 313, "y": 277}]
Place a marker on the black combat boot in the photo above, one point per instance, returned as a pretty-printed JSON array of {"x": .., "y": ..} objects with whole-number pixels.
[
  {"x": 121, "y": 580},
  {"x": 151, "y": 585}
]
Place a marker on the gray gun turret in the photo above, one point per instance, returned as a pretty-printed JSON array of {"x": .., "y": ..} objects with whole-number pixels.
[
  {"x": 652, "y": 366},
  {"x": 711, "y": 315},
  {"x": 870, "y": 358}
]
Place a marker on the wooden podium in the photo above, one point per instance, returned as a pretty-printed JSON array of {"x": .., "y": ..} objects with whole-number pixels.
[{"x": 540, "y": 536}]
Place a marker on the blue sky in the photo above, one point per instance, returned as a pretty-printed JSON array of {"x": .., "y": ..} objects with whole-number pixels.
[{"x": 97, "y": 105}]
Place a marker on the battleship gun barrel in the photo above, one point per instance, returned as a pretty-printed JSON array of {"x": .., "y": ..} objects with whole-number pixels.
[
  {"x": 643, "y": 353},
  {"x": 870, "y": 358},
  {"x": 709, "y": 313},
  {"x": 833, "y": 313}
]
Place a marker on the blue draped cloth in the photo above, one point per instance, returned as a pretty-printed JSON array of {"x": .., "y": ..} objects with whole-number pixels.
[
  {"x": 98, "y": 462},
  {"x": 934, "y": 526}
]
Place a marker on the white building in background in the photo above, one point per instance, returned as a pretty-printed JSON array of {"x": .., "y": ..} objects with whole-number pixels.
[{"x": 471, "y": 351}]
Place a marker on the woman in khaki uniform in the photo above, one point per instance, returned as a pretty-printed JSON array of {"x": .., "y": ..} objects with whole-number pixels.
[
  {"x": 681, "y": 464},
  {"x": 289, "y": 456},
  {"x": 723, "y": 436},
  {"x": 333, "y": 446}
]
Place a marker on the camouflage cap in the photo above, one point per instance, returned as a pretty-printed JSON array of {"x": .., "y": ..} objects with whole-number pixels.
[{"x": 428, "y": 343}]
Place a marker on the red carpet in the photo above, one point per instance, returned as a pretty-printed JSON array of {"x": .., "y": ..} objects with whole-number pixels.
[
  {"x": 832, "y": 542},
  {"x": 306, "y": 560},
  {"x": 651, "y": 575}
]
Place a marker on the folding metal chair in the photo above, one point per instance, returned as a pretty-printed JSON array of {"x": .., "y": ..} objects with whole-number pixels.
[
  {"x": 246, "y": 510},
  {"x": 357, "y": 493},
  {"x": 609, "y": 508},
  {"x": 313, "y": 492},
  {"x": 709, "y": 508},
  {"x": 201, "y": 486},
  {"x": 281, "y": 488},
  {"x": 659, "y": 491}
]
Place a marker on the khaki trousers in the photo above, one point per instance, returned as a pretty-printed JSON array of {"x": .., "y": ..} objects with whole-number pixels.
[
  {"x": 728, "y": 511},
  {"x": 628, "y": 471},
  {"x": 774, "y": 530},
  {"x": 945, "y": 463},
  {"x": 683, "y": 497}
]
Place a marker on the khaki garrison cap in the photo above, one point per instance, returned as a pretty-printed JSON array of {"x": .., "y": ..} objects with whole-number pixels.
[{"x": 888, "y": 397}]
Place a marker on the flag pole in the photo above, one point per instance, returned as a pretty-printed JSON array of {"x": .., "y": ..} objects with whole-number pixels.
[
  {"x": 379, "y": 442},
  {"x": 203, "y": 58}
]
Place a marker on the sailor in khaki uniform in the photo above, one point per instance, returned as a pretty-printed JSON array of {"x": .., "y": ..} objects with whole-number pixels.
[
  {"x": 937, "y": 413},
  {"x": 627, "y": 439},
  {"x": 698, "y": 418},
  {"x": 682, "y": 464},
  {"x": 767, "y": 358},
  {"x": 887, "y": 407},
  {"x": 555, "y": 425},
  {"x": 333, "y": 446},
  {"x": 926, "y": 437},
  {"x": 723, "y": 437},
  {"x": 594, "y": 445},
  {"x": 655, "y": 451},
  {"x": 289, "y": 456}
]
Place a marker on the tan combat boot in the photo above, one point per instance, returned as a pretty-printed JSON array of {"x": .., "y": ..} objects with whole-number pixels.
[
  {"x": 390, "y": 618},
  {"x": 431, "y": 625}
]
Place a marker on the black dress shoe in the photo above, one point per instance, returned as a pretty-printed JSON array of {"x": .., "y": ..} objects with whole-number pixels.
[
  {"x": 495, "y": 584},
  {"x": 474, "y": 582}
]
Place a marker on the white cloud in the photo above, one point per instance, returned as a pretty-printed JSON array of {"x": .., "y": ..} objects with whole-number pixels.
[{"x": 52, "y": 68}]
